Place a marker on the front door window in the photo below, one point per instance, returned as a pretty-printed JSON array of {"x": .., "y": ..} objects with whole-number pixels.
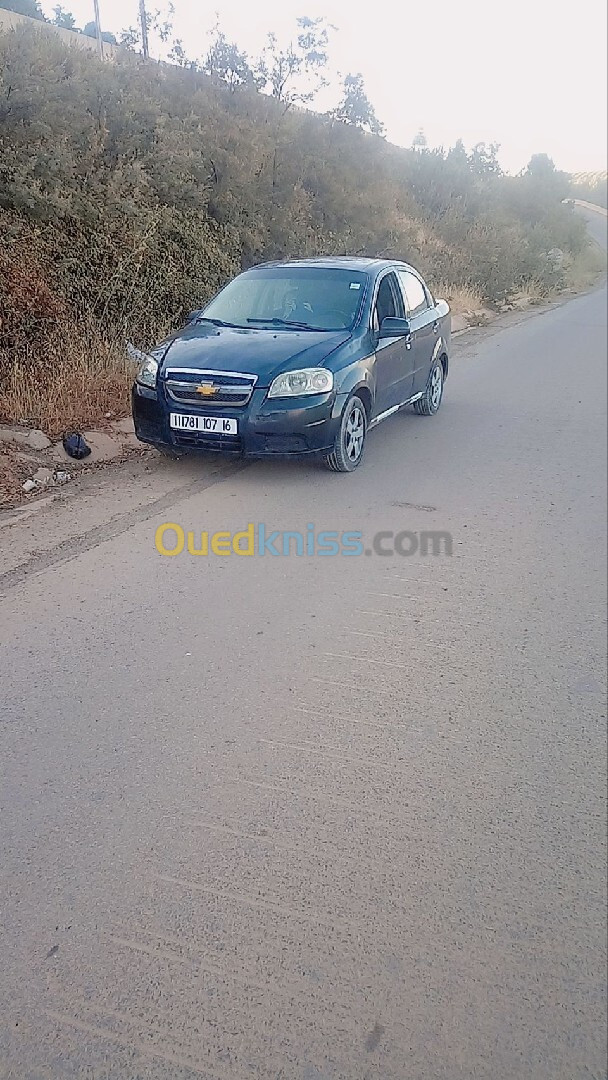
[{"x": 388, "y": 301}]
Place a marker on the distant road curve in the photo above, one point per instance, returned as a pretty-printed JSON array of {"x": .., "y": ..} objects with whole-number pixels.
[
  {"x": 591, "y": 206},
  {"x": 597, "y": 223}
]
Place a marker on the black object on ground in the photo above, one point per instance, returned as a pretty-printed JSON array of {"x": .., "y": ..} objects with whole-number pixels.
[{"x": 76, "y": 445}]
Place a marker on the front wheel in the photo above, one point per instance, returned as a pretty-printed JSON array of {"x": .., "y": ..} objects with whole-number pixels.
[
  {"x": 430, "y": 401},
  {"x": 350, "y": 440}
]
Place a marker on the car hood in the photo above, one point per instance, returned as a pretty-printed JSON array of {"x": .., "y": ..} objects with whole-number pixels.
[{"x": 265, "y": 353}]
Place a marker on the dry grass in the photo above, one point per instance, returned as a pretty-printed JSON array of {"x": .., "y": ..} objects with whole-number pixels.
[
  {"x": 583, "y": 270},
  {"x": 13, "y": 471},
  {"x": 82, "y": 380},
  {"x": 461, "y": 298}
]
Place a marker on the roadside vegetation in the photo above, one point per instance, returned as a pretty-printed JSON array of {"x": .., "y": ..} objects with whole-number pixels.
[{"x": 131, "y": 190}]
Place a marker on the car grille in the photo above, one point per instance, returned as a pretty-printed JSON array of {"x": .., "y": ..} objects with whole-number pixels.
[
  {"x": 227, "y": 388},
  {"x": 198, "y": 440}
]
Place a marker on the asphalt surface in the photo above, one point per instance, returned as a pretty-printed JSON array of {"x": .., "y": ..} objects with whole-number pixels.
[{"x": 321, "y": 818}]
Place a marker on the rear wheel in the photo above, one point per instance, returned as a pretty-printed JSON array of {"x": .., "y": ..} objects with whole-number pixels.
[
  {"x": 350, "y": 440},
  {"x": 430, "y": 401}
]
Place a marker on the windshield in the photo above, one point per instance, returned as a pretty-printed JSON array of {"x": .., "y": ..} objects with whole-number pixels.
[{"x": 309, "y": 298}]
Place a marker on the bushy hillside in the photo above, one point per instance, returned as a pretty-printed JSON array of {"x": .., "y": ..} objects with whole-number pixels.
[{"x": 130, "y": 191}]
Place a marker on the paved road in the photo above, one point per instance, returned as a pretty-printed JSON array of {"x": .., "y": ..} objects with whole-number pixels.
[
  {"x": 321, "y": 818},
  {"x": 596, "y": 223}
]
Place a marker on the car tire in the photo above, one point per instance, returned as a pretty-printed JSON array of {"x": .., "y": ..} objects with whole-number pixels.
[
  {"x": 431, "y": 400},
  {"x": 350, "y": 440}
]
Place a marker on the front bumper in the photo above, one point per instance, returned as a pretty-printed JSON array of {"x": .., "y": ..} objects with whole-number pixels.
[{"x": 266, "y": 428}]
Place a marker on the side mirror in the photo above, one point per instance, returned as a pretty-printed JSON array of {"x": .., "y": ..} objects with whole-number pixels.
[
  {"x": 394, "y": 328},
  {"x": 192, "y": 316}
]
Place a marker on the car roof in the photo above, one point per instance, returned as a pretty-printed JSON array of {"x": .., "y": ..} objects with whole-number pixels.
[{"x": 338, "y": 262}]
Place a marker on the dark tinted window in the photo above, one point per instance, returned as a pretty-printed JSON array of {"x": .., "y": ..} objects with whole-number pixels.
[{"x": 389, "y": 304}]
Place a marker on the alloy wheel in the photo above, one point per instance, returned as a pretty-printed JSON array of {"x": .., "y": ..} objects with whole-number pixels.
[
  {"x": 436, "y": 388},
  {"x": 354, "y": 434}
]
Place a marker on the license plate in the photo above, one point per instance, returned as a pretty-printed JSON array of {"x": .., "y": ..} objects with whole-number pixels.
[{"x": 211, "y": 425}]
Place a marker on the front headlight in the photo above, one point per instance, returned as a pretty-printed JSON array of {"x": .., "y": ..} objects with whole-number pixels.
[
  {"x": 306, "y": 381},
  {"x": 146, "y": 376}
]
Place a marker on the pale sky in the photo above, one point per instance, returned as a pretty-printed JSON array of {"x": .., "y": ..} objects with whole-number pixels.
[{"x": 528, "y": 74}]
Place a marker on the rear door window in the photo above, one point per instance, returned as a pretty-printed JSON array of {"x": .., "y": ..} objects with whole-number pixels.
[{"x": 415, "y": 295}]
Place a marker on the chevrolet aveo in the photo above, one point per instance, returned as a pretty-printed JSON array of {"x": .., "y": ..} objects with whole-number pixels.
[{"x": 297, "y": 358}]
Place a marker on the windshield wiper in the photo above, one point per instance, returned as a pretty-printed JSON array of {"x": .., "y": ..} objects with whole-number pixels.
[
  {"x": 219, "y": 322},
  {"x": 286, "y": 322}
]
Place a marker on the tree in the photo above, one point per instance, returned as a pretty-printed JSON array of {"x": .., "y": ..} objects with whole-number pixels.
[
  {"x": 143, "y": 27},
  {"x": 63, "y": 18},
  {"x": 157, "y": 25},
  {"x": 355, "y": 107},
  {"x": 31, "y": 8},
  {"x": 177, "y": 55},
  {"x": 540, "y": 167},
  {"x": 457, "y": 154},
  {"x": 483, "y": 160},
  {"x": 129, "y": 38},
  {"x": 90, "y": 29},
  {"x": 294, "y": 74},
  {"x": 225, "y": 61},
  {"x": 543, "y": 176}
]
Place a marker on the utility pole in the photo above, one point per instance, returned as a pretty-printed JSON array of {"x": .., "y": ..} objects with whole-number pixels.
[
  {"x": 143, "y": 19},
  {"x": 98, "y": 29}
]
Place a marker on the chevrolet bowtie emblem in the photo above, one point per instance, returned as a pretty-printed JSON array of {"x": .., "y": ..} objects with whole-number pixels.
[{"x": 206, "y": 389}]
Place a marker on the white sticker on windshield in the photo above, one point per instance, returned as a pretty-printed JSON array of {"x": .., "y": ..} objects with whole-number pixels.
[{"x": 355, "y": 284}]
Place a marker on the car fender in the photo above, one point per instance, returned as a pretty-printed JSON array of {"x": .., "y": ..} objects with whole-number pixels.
[
  {"x": 357, "y": 376},
  {"x": 444, "y": 340},
  {"x": 441, "y": 348}
]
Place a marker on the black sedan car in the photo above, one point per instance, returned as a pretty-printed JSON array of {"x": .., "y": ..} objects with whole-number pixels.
[{"x": 297, "y": 358}]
